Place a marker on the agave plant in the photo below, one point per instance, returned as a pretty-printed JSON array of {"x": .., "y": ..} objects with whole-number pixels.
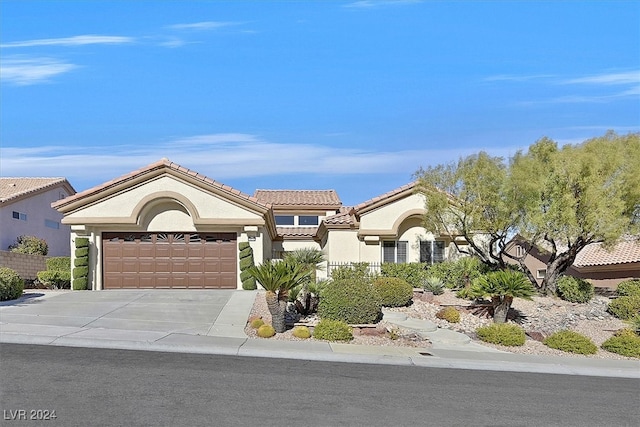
[
  {"x": 433, "y": 284},
  {"x": 277, "y": 278},
  {"x": 502, "y": 286}
]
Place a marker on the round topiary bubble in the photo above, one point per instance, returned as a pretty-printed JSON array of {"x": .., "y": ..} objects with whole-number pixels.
[
  {"x": 350, "y": 301},
  {"x": 11, "y": 284},
  {"x": 450, "y": 314},
  {"x": 502, "y": 333},
  {"x": 393, "y": 292},
  {"x": 266, "y": 331},
  {"x": 629, "y": 288},
  {"x": 332, "y": 330},
  {"x": 626, "y": 307},
  {"x": 624, "y": 342},
  {"x": 573, "y": 289},
  {"x": 256, "y": 323},
  {"x": 570, "y": 342},
  {"x": 301, "y": 332}
]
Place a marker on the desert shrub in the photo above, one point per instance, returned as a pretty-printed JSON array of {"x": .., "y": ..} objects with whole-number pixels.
[
  {"x": 624, "y": 342},
  {"x": 29, "y": 245},
  {"x": 55, "y": 279},
  {"x": 433, "y": 284},
  {"x": 450, "y": 314},
  {"x": 393, "y": 292},
  {"x": 59, "y": 263},
  {"x": 629, "y": 288},
  {"x": 571, "y": 342},
  {"x": 11, "y": 284},
  {"x": 355, "y": 271},
  {"x": 459, "y": 273},
  {"x": 411, "y": 272},
  {"x": 351, "y": 301},
  {"x": 573, "y": 289},
  {"x": 266, "y": 331},
  {"x": 502, "y": 333},
  {"x": 332, "y": 330},
  {"x": 301, "y": 332},
  {"x": 626, "y": 307},
  {"x": 256, "y": 323}
]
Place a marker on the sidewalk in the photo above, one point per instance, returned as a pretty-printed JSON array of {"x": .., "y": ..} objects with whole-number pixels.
[{"x": 212, "y": 322}]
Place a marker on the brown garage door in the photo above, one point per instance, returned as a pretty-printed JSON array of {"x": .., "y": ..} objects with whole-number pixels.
[{"x": 169, "y": 260}]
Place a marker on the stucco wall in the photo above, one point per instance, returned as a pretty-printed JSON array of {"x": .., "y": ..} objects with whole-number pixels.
[{"x": 384, "y": 217}]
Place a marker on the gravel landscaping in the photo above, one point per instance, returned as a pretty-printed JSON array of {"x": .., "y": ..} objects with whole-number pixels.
[{"x": 539, "y": 317}]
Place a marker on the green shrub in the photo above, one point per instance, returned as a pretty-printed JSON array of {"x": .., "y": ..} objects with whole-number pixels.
[
  {"x": 82, "y": 242},
  {"x": 350, "y": 301},
  {"x": 624, "y": 342},
  {"x": 246, "y": 263},
  {"x": 301, "y": 332},
  {"x": 249, "y": 284},
  {"x": 55, "y": 279},
  {"x": 256, "y": 323},
  {"x": 11, "y": 284},
  {"x": 571, "y": 342},
  {"x": 626, "y": 307},
  {"x": 29, "y": 245},
  {"x": 459, "y": 273},
  {"x": 502, "y": 333},
  {"x": 433, "y": 284},
  {"x": 82, "y": 252},
  {"x": 59, "y": 263},
  {"x": 80, "y": 272},
  {"x": 357, "y": 271},
  {"x": 573, "y": 289},
  {"x": 393, "y": 292},
  {"x": 332, "y": 330},
  {"x": 450, "y": 314},
  {"x": 411, "y": 272},
  {"x": 80, "y": 283},
  {"x": 266, "y": 331},
  {"x": 81, "y": 262},
  {"x": 629, "y": 288}
]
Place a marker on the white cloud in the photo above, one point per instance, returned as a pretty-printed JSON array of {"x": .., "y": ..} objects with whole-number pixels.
[
  {"x": 70, "y": 41},
  {"x": 202, "y": 26},
  {"x": 630, "y": 77},
  {"x": 29, "y": 71}
]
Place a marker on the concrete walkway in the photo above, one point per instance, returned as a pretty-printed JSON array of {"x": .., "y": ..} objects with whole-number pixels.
[{"x": 212, "y": 322}]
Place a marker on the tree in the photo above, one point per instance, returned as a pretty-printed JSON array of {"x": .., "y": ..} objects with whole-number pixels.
[
  {"x": 277, "y": 278},
  {"x": 502, "y": 286}
]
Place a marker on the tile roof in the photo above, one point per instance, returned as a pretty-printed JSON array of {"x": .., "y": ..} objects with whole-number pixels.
[
  {"x": 161, "y": 164},
  {"x": 385, "y": 196},
  {"x": 626, "y": 251},
  {"x": 290, "y": 232},
  {"x": 13, "y": 187},
  {"x": 306, "y": 198},
  {"x": 344, "y": 217}
]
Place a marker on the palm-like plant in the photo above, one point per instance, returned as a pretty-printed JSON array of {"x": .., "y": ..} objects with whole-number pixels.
[
  {"x": 277, "y": 278},
  {"x": 306, "y": 299},
  {"x": 502, "y": 286}
]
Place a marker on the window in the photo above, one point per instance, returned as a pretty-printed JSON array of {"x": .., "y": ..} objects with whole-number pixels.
[
  {"x": 394, "y": 252},
  {"x": 52, "y": 224},
  {"x": 308, "y": 220},
  {"x": 431, "y": 251},
  {"x": 541, "y": 273},
  {"x": 19, "y": 215},
  {"x": 284, "y": 220},
  {"x": 520, "y": 252}
]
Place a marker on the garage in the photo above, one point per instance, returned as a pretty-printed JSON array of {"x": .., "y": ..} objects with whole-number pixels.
[{"x": 169, "y": 260}]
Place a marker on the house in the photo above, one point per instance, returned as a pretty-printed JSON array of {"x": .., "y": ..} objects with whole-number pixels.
[
  {"x": 25, "y": 209},
  {"x": 603, "y": 267},
  {"x": 166, "y": 226}
]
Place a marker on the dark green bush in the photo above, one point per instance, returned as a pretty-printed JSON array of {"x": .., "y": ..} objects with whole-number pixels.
[
  {"x": 629, "y": 288},
  {"x": 412, "y": 272},
  {"x": 571, "y": 342},
  {"x": 55, "y": 279},
  {"x": 450, "y": 314},
  {"x": 59, "y": 263},
  {"x": 459, "y": 273},
  {"x": 11, "y": 284},
  {"x": 81, "y": 262},
  {"x": 351, "y": 301},
  {"x": 249, "y": 284},
  {"x": 80, "y": 272},
  {"x": 624, "y": 342},
  {"x": 354, "y": 271},
  {"x": 246, "y": 262},
  {"x": 502, "y": 333},
  {"x": 82, "y": 242},
  {"x": 80, "y": 284},
  {"x": 82, "y": 252},
  {"x": 332, "y": 330},
  {"x": 625, "y": 308},
  {"x": 393, "y": 292},
  {"x": 573, "y": 289},
  {"x": 29, "y": 245}
]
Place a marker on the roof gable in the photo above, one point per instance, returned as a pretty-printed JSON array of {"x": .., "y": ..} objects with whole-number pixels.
[
  {"x": 16, "y": 188},
  {"x": 386, "y": 198}
]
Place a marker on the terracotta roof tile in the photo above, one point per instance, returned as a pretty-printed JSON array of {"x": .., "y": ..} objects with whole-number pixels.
[
  {"x": 344, "y": 217},
  {"x": 624, "y": 252},
  {"x": 297, "y": 231},
  {"x": 14, "y": 187},
  {"x": 385, "y": 196},
  {"x": 310, "y": 198}
]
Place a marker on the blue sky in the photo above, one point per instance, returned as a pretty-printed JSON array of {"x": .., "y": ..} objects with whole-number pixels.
[{"x": 349, "y": 95}]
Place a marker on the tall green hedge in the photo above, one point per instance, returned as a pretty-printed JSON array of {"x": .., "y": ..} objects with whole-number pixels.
[
  {"x": 81, "y": 264},
  {"x": 246, "y": 262}
]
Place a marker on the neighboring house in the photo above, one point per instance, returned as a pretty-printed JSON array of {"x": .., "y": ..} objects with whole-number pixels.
[
  {"x": 603, "y": 267},
  {"x": 165, "y": 226},
  {"x": 25, "y": 209}
]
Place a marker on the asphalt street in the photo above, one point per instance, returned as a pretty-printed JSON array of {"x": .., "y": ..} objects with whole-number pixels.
[{"x": 107, "y": 387}]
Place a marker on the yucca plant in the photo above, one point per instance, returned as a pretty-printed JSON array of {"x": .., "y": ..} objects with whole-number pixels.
[
  {"x": 306, "y": 298},
  {"x": 502, "y": 286},
  {"x": 277, "y": 278}
]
